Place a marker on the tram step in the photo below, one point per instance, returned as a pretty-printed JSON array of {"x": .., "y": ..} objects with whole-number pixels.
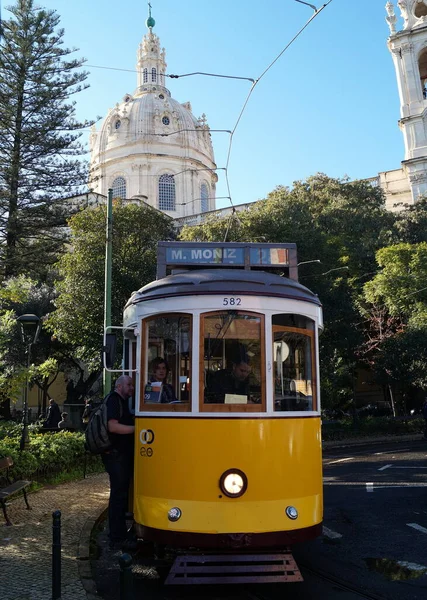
[{"x": 247, "y": 568}]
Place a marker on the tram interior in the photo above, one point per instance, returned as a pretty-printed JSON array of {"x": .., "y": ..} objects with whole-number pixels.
[{"x": 230, "y": 338}]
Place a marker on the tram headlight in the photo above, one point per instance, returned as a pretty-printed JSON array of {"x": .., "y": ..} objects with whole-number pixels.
[
  {"x": 291, "y": 512},
  {"x": 174, "y": 514},
  {"x": 233, "y": 483}
]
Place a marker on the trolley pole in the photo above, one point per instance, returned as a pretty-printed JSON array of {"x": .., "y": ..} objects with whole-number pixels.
[
  {"x": 56, "y": 555},
  {"x": 107, "y": 285},
  {"x": 126, "y": 583}
]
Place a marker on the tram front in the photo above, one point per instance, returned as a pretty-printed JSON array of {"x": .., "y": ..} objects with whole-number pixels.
[{"x": 227, "y": 419}]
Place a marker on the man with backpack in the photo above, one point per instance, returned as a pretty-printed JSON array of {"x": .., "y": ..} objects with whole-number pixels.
[{"x": 118, "y": 460}]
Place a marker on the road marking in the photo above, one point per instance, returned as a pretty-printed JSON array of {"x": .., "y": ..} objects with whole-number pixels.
[
  {"x": 399, "y": 467},
  {"x": 384, "y": 468},
  {"x": 369, "y": 487},
  {"x": 411, "y": 566},
  {"x": 417, "y": 527},
  {"x": 340, "y": 460},
  {"x": 333, "y": 535},
  {"x": 392, "y": 451}
]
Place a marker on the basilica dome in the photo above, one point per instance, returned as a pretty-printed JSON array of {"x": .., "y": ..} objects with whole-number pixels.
[{"x": 151, "y": 148}]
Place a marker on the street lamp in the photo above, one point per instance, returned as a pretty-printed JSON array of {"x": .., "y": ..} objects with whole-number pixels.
[
  {"x": 336, "y": 269},
  {"x": 307, "y": 262},
  {"x": 30, "y": 329}
]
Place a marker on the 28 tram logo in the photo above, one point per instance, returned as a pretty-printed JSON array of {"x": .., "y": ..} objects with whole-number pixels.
[{"x": 146, "y": 437}]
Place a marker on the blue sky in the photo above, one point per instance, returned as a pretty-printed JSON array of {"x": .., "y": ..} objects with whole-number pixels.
[{"x": 329, "y": 104}]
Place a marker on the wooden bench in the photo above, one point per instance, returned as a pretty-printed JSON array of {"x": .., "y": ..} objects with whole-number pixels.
[{"x": 11, "y": 488}]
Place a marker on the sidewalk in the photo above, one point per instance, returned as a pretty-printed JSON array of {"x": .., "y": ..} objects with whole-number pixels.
[{"x": 26, "y": 547}]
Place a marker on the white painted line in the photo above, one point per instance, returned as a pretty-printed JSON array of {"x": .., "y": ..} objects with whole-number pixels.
[
  {"x": 392, "y": 451},
  {"x": 384, "y": 468},
  {"x": 369, "y": 487},
  {"x": 411, "y": 566},
  {"x": 340, "y": 460},
  {"x": 417, "y": 527},
  {"x": 379, "y": 485},
  {"x": 399, "y": 467},
  {"x": 333, "y": 535}
]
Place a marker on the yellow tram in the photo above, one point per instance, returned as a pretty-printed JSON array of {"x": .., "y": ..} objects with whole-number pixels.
[{"x": 231, "y": 459}]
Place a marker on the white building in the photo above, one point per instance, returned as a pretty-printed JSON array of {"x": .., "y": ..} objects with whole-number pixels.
[
  {"x": 408, "y": 46},
  {"x": 151, "y": 148}
]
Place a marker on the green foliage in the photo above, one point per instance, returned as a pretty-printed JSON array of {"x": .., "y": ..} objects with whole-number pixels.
[
  {"x": 340, "y": 223},
  {"x": 47, "y": 453},
  {"x": 39, "y": 138},
  {"x": 78, "y": 320},
  {"x": 371, "y": 427}
]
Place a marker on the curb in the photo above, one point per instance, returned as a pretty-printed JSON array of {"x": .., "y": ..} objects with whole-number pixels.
[
  {"x": 359, "y": 441},
  {"x": 83, "y": 553}
]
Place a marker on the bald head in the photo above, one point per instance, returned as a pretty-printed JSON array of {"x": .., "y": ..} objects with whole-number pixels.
[{"x": 124, "y": 386}]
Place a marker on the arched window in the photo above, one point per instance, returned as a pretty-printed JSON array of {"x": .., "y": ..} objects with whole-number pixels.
[
  {"x": 119, "y": 188},
  {"x": 204, "y": 198},
  {"x": 422, "y": 65},
  {"x": 420, "y": 9},
  {"x": 166, "y": 192},
  {"x": 153, "y": 75},
  {"x": 145, "y": 74}
]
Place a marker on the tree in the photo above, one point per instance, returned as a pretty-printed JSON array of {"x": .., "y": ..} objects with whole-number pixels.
[
  {"x": 340, "y": 223},
  {"x": 78, "y": 319},
  {"x": 394, "y": 304},
  {"x": 20, "y": 295},
  {"x": 39, "y": 138}
]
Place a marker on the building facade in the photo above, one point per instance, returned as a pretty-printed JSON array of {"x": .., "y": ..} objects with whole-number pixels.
[
  {"x": 408, "y": 46},
  {"x": 151, "y": 148}
]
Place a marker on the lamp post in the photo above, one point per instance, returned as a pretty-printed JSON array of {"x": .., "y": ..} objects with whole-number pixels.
[
  {"x": 30, "y": 329},
  {"x": 307, "y": 262}
]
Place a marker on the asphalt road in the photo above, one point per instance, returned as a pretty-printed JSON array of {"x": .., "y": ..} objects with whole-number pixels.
[{"x": 374, "y": 543}]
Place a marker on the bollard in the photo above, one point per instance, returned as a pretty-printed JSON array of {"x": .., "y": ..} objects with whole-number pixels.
[
  {"x": 56, "y": 555},
  {"x": 126, "y": 582}
]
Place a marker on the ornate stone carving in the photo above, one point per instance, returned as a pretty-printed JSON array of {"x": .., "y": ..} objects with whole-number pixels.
[
  {"x": 391, "y": 18},
  {"x": 402, "y": 4},
  {"x": 406, "y": 48},
  {"x": 418, "y": 178}
]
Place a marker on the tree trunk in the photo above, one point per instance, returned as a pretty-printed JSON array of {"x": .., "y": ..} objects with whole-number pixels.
[{"x": 393, "y": 407}]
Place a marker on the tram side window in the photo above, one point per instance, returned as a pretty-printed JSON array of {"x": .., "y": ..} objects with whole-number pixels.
[
  {"x": 294, "y": 380},
  {"x": 232, "y": 358},
  {"x": 167, "y": 360}
]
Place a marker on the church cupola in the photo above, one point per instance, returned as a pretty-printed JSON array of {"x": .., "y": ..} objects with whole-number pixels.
[{"x": 151, "y": 63}]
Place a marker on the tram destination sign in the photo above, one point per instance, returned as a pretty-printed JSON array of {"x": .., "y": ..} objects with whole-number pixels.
[{"x": 208, "y": 255}]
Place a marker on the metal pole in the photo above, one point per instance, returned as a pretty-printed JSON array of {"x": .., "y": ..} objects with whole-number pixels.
[
  {"x": 126, "y": 583},
  {"x": 107, "y": 286},
  {"x": 56, "y": 555},
  {"x": 24, "y": 438}
]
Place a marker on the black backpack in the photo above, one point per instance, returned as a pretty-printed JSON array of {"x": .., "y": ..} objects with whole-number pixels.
[{"x": 97, "y": 439}]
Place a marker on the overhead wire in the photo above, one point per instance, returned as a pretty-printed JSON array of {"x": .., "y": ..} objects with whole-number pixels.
[{"x": 255, "y": 82}]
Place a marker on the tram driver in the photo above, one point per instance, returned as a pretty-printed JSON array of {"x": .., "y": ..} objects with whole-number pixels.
[{"x": 233, "y": 382}]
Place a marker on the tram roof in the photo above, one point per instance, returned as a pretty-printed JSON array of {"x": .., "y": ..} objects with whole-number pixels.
[{"x": 224, "y": 281}]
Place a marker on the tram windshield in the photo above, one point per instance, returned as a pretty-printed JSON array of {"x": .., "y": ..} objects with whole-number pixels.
[
  {"x": 233, "y": 360},
  {"x": 167, "y": 362},
  {"x": 294, "y": 367}
]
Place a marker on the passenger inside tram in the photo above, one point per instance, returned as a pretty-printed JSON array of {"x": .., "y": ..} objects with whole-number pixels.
[{"x": 160, "y": 372}]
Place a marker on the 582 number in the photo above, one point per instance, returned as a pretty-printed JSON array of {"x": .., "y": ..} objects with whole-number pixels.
[{"x": 231, "y": 301}]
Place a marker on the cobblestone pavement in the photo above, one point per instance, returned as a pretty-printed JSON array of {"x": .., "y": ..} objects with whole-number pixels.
[{"x": 26, "y": 547}]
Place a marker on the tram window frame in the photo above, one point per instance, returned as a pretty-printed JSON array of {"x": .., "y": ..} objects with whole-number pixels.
[
  {"x": 144, "y": 373},
  {"x": 129, "y": 363},
  {"x": 223, "y": 407},
  {"x": 310, "y": 334}
]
